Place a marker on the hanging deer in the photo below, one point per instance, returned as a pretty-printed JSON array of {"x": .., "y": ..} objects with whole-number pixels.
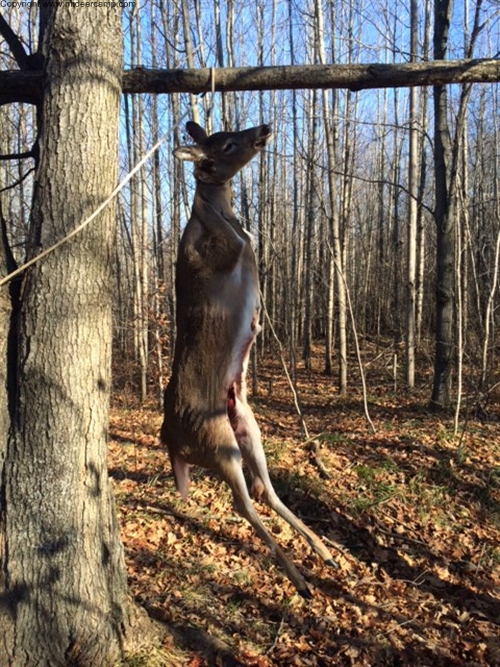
[{"x": 207, "y": 419}]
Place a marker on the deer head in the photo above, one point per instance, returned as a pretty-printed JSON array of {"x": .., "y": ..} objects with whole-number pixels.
[{"x": 220, "y": 156}]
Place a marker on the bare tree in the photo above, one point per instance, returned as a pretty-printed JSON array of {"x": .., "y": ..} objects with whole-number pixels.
[
  {"x": 444, "y": 221},
  {"x": 447, "y": 160},
  {"x": 412, "y": 213},
  {"x": 336, "y": 257},
  {"x": 64, "y": 585}
]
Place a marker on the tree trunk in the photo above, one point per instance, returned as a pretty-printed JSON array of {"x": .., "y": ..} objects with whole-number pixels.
[
  {"x": 309, "y": 248},
  {"x": 295, "y": 290},
  {"x": 336, "y": 270},
  {"x": 63, "y": 585},
  {"x": 411, "y": 266},
  {"x": 6, "y": 631},
  {"x": 444, "y": 224}
]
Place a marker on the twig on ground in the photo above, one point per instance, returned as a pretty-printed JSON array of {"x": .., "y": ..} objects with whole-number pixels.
[{"x": 314, "y": 448}]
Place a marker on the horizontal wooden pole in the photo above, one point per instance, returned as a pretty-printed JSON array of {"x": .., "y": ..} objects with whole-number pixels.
[
  {"x": 17, "y": 86},
  {"x": 353, "y": 77}
]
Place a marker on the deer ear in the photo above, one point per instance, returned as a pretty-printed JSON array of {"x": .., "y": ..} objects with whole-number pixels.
[
  {"x": 190, "y": 153},
  {"x": 196, "y": 132}
]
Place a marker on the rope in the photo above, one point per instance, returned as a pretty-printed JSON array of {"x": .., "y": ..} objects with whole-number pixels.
[{"x": 93, "y": 215}]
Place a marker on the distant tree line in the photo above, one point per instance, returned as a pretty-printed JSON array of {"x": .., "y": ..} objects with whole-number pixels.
[{"x": 384, "y": 198}]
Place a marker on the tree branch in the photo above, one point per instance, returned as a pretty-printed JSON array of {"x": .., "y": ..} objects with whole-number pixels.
[
  {"x": 26, "y": 87},
  {"x": 18, "y": 182},
  {"x": 354, "y": 77},
  {"x": 18, "y": 156},
  {"x": 17, "y": 49}
]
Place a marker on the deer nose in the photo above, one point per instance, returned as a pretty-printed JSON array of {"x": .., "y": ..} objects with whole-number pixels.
[{"x": 264, "y": 136}]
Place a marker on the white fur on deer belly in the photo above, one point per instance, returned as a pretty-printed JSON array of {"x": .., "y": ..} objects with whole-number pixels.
[{"x": 248, "y": 329}]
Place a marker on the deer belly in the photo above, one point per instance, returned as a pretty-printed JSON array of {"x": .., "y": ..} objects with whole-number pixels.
[
  {"x": 241, "y": 296},
  {"x": 248, "y": 328}
]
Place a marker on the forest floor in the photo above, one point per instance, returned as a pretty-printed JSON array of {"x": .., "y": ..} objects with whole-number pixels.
[{"x": 413, "y": 509}]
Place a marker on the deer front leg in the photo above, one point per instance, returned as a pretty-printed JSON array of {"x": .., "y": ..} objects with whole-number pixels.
[
  {"x": 225, "y": 243},
  {"x": 247, "y": 434}
]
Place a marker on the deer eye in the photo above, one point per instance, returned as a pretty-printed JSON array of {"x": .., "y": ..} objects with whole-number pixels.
[{"x": 229, "y": 147}]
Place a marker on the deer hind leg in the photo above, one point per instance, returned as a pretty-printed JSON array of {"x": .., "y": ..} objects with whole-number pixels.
[
  {"x": 229, "y": 468},
  {"x": 247, "y": 433},
  {"x": 181, "y": 474}
]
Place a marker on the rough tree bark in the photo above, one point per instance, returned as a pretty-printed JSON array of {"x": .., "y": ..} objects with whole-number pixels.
[
  {"x": 5, "y": 316},
  {"x": 63, "y": 589},
  {"x": 329, "y": 111},
  {"x": 444, "y": 218},
  {"x": 411, "y": 289}
]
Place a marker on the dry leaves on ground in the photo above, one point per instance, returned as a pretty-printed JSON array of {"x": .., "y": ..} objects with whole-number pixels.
[{"x": 414, "y": 511}]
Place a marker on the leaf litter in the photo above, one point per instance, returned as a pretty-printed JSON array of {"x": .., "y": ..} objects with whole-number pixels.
[{"x": 412, "y": 519}]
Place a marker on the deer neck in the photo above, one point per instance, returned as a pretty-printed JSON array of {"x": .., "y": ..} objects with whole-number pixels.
[{"x": 219, "y": 196}]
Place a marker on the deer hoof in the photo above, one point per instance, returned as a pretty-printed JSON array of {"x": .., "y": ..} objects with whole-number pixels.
[
  {"x": 305, "y": 593},
  {"x": 331, "y": 563}
]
